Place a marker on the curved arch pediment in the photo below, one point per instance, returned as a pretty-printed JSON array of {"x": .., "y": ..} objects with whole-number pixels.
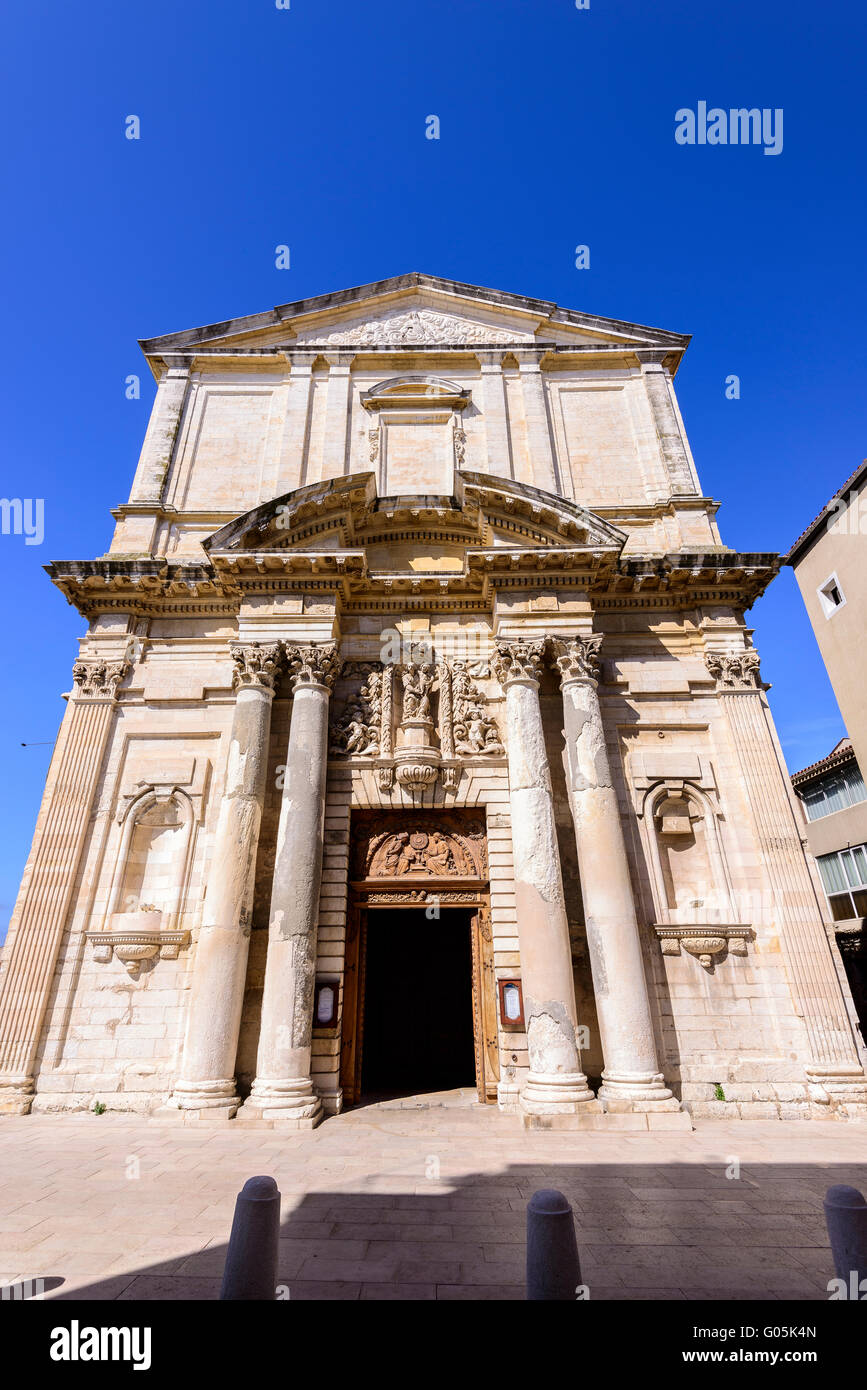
[
  {"x": 486, "y": 512},
  {"x": 419, "y": 390}
]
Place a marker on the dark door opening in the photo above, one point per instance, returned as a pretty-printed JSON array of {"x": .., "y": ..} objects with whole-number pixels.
[{"x": 418, "y": 1004}]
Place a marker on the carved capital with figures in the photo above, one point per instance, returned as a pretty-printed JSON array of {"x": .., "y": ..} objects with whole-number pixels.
[
  {"x": 519, "y": 660},
  {"x": 577, "y": 658},
  {"x": 312, "y": 664},
  {"x": 735, "y": 670},
  {"x": 257, "y": 665}
]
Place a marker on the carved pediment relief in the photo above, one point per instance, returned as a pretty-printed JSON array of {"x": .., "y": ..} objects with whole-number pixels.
[{"x": 416, "y": 326}]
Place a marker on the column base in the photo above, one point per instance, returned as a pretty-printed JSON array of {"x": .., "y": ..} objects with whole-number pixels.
[
  {"x": 842, "y": 1088},
  {"x": 291, "y": 1104},
  {"x": 16, "y": 1095},
  {"x": 558, "y": 1093},
  {"x": 636, "y": 1092},
  {"x": 219, "y": 1098}
]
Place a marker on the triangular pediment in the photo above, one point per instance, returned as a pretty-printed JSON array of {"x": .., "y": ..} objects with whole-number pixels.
[{"x": 416, "y": 311}]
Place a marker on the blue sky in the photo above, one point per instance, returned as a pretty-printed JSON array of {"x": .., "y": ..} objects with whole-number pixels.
[{"x": 306, "y": 127}]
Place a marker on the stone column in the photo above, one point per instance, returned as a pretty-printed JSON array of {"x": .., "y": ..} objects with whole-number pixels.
[
  {"x": 834, "y": 1068},
  {"x": 283, "y": 1089},
  {"x": 159, "y": 442},
  {"x": 631, "y": 1079},
  {"x": 555, "y": 1084},
  {"x": 499, "y": 453},
  {"x": 207, "y": 1080},
  {"x": 540, "y": 445},
  {"x": 37, "y": 926},
  {"x": 674, "y": 455}
]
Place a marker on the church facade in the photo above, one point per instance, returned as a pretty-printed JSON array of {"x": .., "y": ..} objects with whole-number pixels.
[{"x": 417, "y": 741}]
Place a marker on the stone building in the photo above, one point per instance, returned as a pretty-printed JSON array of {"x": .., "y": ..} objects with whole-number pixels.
[
  {"x": 829, "y": 559},
  {"x": 417, "y": 741},
  {"x": 833, "y": 799}
]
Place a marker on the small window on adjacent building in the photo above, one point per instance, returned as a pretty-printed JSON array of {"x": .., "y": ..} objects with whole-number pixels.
[
  {"x": 844, "y": 875},
  {"x": 831, "y": 596},
  {"x": 834, "y": 793}
]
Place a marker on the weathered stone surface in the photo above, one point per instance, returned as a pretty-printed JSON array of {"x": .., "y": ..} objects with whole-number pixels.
[{"x": 488, "y": 481}]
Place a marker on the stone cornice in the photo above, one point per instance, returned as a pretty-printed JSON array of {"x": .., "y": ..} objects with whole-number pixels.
[{"x": 147, "y": 586}]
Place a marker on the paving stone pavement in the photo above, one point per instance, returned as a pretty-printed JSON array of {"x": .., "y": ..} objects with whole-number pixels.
[{"x": 421, "y": 1203}]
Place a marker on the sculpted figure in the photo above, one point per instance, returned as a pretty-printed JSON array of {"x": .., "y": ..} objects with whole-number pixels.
[{"x": 417, "y": 684}]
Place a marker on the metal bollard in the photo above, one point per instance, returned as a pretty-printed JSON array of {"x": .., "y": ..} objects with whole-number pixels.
[
  {"x": 846, "y": 1218},
  {"x": 553, "y": 1271},
  {"x": 250, "y": 1271}
]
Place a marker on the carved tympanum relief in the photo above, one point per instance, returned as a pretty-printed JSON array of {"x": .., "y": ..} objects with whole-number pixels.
[
  {"x": 436, "y": 846},
  {"x": 412, "y": 326}
]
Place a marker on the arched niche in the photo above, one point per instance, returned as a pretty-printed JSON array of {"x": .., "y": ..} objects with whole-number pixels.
[
  {"x": 690, "y": 880},
  {"x": 153, "y": 858}
]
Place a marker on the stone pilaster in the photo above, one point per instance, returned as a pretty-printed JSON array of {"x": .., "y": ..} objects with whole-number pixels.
[
  {"x": 291, "y": 467},
  {"x": 834, "y": 1068},
  {"x": 337, "y": 415},
  {"x": 555, "y": 1084},
  {"x": 283, "y": 1089},
  {"x": 499, "y": 454},
  {"x": 540, "y": 443},
  {"x": 631, "y": 1079},
  {"x": 36, "y": 931},
  {"x": 156, "y": 455},
  {"x": 207, "y": 1080},
  {"x": 674, "y": 455}
]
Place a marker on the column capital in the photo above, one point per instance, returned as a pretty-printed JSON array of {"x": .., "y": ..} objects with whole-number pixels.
[
  {"x": 95, "y": 678},
  {"x": 577, "y": 658},
  {"x": 312, "y": 664},
  {"x": 519, "y": 659},
  {"x": 735, "y": 670},
  {"x": 257, "y": 665}
]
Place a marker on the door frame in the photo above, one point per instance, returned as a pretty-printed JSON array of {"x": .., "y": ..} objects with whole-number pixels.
[{"x": 403, "y": 894}]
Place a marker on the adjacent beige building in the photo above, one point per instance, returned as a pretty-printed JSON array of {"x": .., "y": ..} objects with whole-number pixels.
[
  {"x": 417, "y": 741},
  {"x": 830, "y": 564}
]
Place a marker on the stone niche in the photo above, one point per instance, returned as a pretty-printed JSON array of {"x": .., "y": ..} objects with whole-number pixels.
[
  {"x": 679, "y": 818},
  {"x": 158, "y": 814}
]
